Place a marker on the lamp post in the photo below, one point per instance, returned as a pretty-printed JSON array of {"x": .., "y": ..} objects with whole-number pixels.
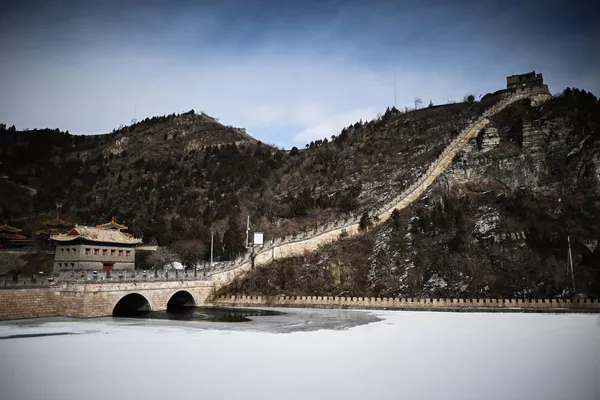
[{"x": 212, "y": 235}]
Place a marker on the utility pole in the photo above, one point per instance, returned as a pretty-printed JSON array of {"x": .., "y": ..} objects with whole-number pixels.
[
  {"x": 394, "y": 91},
  {"x": 571, "y": 264},
  {"x": 212, "y": 235},
  {"x": 247, "y": 232}
]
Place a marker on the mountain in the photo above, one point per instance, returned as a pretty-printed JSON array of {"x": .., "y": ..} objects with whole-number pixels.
[
  {"x": 497, "y": 222},
  {"x": 173, "y": 179}
]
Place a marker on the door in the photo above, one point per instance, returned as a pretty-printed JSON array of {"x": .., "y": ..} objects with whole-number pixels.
[{"x": 108, "y": 268}]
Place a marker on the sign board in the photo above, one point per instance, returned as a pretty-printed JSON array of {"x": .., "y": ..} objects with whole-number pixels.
[{"x": 257, "y": 239}]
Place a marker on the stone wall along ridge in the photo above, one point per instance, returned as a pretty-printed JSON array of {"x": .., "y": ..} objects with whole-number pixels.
[{"x": 309, "y": 241}]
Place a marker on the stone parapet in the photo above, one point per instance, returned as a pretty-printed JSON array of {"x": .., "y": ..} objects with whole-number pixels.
[
  {"x": 86, "y": 276},
  {"x": 417, "y": 304}
]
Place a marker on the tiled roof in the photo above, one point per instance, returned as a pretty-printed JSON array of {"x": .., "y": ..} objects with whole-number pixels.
[
  {"x": 96, "y": 235},
  {"x": 7, "y": 228},
  {"x": 112, "y": 225},
  {"x": 57, "y": 222},
  {"x": 11, "y": 236}
]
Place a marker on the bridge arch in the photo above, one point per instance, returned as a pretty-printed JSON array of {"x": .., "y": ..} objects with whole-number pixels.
[
  {"x": 131, "y": 305},
  {"x": 180, "y": 300}
]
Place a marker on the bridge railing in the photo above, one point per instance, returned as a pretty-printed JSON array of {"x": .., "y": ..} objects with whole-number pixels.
[
  {"x": 26, "y": 281},
  {"x": 132, "y": 276}
]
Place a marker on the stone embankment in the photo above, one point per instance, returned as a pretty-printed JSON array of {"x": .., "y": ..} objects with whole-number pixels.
[
  {"x": 376, "y": 303},
  {"x": 322, "y": 235}
]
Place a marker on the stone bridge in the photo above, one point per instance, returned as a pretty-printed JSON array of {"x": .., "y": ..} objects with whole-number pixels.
[{"x": 87, "y": 299}]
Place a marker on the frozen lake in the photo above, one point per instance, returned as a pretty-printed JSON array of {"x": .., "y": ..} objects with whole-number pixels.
[{"x": 306, "y": 354}]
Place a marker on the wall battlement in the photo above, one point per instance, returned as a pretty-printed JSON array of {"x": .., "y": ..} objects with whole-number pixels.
[
  {"x": 443, "y": 304},
  {"x": 86, "y": 276}
]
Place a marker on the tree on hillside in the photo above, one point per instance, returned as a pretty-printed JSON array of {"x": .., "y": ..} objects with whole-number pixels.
[
  {"x": 294, "y": 151},
  {"x": 395, "y": 217},
  {"x": 191, "y": 252},
  {"x": 418, "y": 103},
  {"x": 365, "y": 222},
  {"x": 233, "y": 240}
]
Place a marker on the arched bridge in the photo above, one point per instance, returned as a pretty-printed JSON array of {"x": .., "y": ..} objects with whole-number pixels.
[{"x": 86, "y": 300}]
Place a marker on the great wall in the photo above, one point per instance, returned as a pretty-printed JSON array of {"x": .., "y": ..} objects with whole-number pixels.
[
  {"x": 309, "y": 241},
  {"x": 85, "y": 295}
]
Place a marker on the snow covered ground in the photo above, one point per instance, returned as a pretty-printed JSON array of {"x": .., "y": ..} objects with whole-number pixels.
[{"x": 400, "y": 355}]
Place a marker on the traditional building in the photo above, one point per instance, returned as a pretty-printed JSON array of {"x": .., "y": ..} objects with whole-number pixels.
[
  {"x": 113, "y": 225},
  {"x": 525, "y": 81},
  {"x": 95, "y": 248},
  {"x": 55, "y": 226},
  {"x": 516, "y": 83},
  {"x": 11, "y": 236}
]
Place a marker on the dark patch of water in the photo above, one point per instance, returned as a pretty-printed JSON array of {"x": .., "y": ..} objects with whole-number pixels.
[
  {"x": 35, "y": 335},
  {"x": 210, "y": 314}
]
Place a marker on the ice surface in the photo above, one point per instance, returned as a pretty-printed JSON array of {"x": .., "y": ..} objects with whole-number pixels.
[{"x": 406, "y": 355}]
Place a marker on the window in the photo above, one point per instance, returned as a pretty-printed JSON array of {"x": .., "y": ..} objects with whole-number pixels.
[
  {"x": 112, "y": 252},
  {"x": 87, "y": 251},
  {"x": 74, "y": 250},
  {"x": 62, "y": 251},
  {"x": 60, "y": 264},
  {"x": 72, "y": 265},
  {"x": 104, "y": 252},
  {"x": 120, "y": 253},
  {"x": 96, "y": 252},
  {"x": 127, "y": 253}
]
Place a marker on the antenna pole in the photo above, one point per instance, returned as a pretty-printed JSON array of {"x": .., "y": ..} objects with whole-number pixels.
[{"x": 394, "y": 91}]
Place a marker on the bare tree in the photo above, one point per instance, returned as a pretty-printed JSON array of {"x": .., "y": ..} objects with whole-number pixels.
[
  {"x": 190, "y": 252},
  {"x": 469, "y": 98},
  {"x": 418, "y": 102}
]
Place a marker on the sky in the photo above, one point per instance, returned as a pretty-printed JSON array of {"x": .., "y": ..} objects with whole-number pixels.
[{"x": 287, "y": 71}]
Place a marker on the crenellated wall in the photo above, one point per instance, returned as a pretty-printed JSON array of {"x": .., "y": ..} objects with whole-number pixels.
[
  {"x": 309, "y": 241},
  {"x": 548, "y": 305}
]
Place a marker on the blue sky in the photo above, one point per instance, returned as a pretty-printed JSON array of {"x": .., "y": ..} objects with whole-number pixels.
[{"x": 288, "y": 71}]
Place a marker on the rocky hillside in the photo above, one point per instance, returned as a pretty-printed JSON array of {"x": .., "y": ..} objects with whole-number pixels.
[
  {"x": 175, "y": 178},
  {"x": 494, "y": 224}
]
